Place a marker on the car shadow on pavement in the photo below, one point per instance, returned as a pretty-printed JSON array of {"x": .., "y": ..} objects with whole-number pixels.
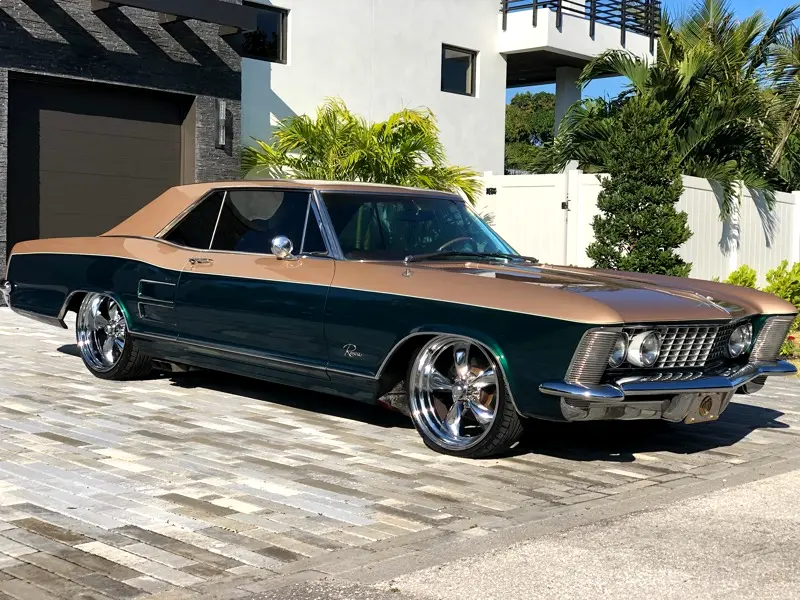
[
  {"x": 611, "y": 441},
  {"x": 620, "y": 441},
  {"x": 298, "y": 398},
  {"x": 70, "y": 349}
]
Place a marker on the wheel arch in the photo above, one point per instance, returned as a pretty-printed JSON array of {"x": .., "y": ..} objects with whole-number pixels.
[
  {"x": 395, "y": 365},
  {"x": 73, "y": 301}
]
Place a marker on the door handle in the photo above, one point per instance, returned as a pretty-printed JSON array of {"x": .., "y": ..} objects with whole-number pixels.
[{"x": 200, "y": 261}]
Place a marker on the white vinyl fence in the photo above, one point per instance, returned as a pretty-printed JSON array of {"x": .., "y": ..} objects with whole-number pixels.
[{"x": 550, "y": 217}]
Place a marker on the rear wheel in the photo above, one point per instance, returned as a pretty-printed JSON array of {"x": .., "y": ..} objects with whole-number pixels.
[
  {"x": 107, "y": 348},
  {"x": 459, "y": 401}
]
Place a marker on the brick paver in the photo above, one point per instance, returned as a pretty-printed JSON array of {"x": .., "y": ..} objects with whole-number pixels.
[{"x": 200, "y": 485}]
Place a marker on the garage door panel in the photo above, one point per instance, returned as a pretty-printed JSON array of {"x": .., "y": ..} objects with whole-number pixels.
[
  {"x": 57, "y": 121},
  {"x": 84, "y": 156},
  {"x": 92, "y": 154},
  {"x": 96, "y": 204}
]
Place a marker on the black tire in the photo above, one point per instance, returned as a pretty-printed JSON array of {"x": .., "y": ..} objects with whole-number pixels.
[
  {"x": 505, "y": 431},
  {"x": 132, "y": 363}
]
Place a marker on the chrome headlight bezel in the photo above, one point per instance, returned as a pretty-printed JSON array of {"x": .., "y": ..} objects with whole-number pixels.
[
  {"x": 644, "y": 349},
  {"x": 619, "y": 352},
  {"x": 740, "y": 340}
]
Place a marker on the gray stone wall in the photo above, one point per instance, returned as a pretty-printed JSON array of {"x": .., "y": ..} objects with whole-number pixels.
[{"x": 123, "y": 46}]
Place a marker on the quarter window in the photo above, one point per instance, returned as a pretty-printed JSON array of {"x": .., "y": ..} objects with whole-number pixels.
[
  {"x": 196, "y": 228},
  {"x": 250, "y": 219},
  {"x": 458, "y": 70}
]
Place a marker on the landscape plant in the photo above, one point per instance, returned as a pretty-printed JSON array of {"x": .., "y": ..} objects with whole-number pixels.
[
  {"x": 337, "y": 144},
  {"x": 783, "y": 282},
  {"x": 639, "y": 228},
  {"x": 729, "y": 89}
]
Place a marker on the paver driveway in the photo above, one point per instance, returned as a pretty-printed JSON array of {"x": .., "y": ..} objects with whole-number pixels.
[{"x": 202, "y": 484}]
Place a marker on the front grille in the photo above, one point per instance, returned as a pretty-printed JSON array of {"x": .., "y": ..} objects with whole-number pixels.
[
  {"x": 769, "y": 339},
  {"x": 591, "y": 358},
  {"x": 684, "y": 346}
]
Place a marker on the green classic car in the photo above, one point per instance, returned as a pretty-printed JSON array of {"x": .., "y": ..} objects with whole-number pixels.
[{"x": 399, "y": 296}]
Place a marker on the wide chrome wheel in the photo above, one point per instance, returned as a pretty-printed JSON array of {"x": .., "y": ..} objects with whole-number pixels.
[
  {"x": 454, "y": 393},
  {"x": 101, "y": 331}
]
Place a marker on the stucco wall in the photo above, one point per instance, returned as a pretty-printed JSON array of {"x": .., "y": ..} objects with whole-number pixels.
[{"x": 381, "y": 56}]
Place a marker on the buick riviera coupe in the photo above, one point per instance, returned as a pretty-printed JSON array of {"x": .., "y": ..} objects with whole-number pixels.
[{"x": 398, "y": 296}]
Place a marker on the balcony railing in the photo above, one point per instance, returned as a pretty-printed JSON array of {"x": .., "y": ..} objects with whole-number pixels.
[{"x": 637, "y": 16}]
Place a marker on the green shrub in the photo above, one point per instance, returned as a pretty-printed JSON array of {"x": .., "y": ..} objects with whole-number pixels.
[
  {"x": 638, "y": 228},
  {"x": 744, "y": 276},
  {"x": 785, "y": 282}
]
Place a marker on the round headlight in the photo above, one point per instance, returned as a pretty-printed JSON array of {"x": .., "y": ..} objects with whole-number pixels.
[
  {"x": 740, "y": 340},
  {"x": 644, "y": 349},
  {"x": 619, "y": 352}
]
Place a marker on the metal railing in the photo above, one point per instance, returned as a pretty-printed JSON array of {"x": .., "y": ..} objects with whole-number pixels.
[{"x": 637, "y": 16}]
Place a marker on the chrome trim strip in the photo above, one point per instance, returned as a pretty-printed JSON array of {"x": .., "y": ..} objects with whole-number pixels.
[
  {"x": 228, "y": 349},
  {"x": 351, "y": 373},
  {"x": 142, "y": 296},
  {"x": 712, "y": 383}
]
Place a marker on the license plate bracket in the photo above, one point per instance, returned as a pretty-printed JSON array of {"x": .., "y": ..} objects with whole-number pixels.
[{"x": 707, "y": 407}]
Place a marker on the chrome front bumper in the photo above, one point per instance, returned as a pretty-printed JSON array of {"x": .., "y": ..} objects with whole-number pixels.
[{"x": 627, "y": 398}]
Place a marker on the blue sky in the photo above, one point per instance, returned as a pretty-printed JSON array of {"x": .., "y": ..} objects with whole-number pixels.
[{"x": 612, "y": 86}]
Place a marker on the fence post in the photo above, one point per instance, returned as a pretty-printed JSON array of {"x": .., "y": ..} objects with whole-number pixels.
[
  {"x": 794, "y": 230},
  {"x": 573, "y": 216}
]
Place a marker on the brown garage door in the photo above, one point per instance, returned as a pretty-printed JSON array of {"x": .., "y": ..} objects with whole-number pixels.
[{"x": 84, "y": 156}]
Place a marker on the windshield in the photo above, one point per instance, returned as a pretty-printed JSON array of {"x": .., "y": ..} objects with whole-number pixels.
[{"x": 394, "y": 226}]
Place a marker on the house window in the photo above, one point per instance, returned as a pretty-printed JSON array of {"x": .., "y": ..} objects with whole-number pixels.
[
  {"x": 268, "y": 41},
  {"x": 458, "y": 70}
]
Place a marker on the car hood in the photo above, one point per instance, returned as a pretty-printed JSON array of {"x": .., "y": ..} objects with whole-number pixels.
[{"x": 635, "y": 297}]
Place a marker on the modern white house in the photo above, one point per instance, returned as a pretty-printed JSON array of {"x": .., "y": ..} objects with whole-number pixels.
[{"x": 455, "y": 57}]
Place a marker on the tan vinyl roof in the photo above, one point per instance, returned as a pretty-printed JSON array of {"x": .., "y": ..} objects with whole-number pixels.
[{"x": 163, "y": 211}]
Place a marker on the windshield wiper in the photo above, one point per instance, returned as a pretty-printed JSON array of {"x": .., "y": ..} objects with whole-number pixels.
[{"x": 456, "y": 254}]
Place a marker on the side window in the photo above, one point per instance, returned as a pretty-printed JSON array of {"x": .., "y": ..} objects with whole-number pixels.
[
  {"x": 196, "y": 228},
  {"x": 250, "y": 219}
]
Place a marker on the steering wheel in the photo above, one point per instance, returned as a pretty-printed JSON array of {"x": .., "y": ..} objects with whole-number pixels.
[{"x": 465, "y": 238}]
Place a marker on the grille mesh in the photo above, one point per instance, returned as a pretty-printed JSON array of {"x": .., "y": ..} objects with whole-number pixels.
[
  {"x": 769, "y": 340},
  {"x": 591, "y": 358},
  {"x": 685, "y": 346}
]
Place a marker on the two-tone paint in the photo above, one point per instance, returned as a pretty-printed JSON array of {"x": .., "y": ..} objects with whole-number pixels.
[{"x": 335, "y": 325}]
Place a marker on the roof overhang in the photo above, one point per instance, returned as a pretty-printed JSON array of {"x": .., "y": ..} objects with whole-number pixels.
[{"x": 229, "y": 16}]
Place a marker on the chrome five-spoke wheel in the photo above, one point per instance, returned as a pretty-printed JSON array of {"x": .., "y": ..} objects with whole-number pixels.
[
  {"x": 102, "y": 335},
  {"x": 458, "y": 399}
]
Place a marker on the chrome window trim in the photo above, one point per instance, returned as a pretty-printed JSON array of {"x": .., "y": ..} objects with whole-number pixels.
[
  {"x": 326, "y": 226},
  {"x": 216, "y": 223}
]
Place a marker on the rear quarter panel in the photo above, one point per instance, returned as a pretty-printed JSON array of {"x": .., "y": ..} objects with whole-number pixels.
[{"x": 46, "y": 273}]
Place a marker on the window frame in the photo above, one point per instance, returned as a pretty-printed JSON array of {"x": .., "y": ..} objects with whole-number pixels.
[
  {"x": 284, "y": 32},
  {"x": 312, "y": 209},
  {"x": 473, "y": 80}
]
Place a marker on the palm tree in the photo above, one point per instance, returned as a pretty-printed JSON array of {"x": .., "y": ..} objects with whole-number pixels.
[
  {"x": 338, "y": 145},
  {"x": 710, "y": 80}
]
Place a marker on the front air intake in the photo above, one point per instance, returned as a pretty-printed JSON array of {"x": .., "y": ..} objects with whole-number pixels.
[
  {"x": 769, "y": 339},
  {"x": 591, "y": 358}
]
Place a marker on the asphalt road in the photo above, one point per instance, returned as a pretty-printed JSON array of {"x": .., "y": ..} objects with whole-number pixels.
[{"x": 733, "y": 544}]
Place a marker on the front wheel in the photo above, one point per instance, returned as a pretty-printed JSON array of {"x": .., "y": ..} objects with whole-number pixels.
[
  {"x": 459, "y": 401},
  {"x": 106, "y": 346}
]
